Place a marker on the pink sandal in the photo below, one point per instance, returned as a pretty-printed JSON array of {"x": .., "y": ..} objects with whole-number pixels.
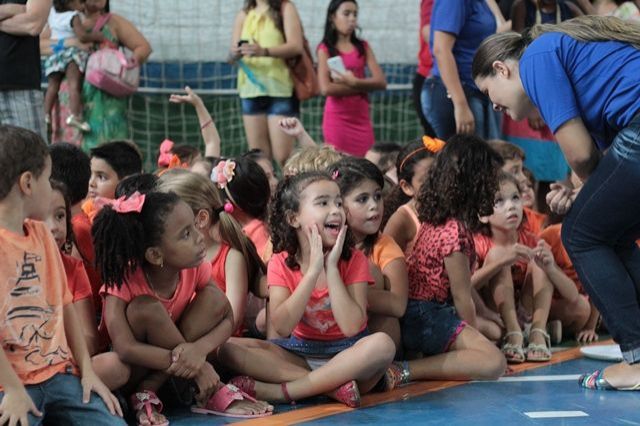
[
  {"x": 147, "y": 399},
  {"x": 245, "y": 383},
  {"x": 223, "y": 398},
  {"x": 349, "y": 394}
]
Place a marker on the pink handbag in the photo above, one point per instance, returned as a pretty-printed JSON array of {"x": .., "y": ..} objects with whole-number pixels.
[{"x": 109, "y": 70}]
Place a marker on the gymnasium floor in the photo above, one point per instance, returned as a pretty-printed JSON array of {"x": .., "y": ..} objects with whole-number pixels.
[{"x": 533, "y": 394}]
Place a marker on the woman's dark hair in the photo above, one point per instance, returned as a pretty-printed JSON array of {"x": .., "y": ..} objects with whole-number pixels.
[
  {"x": 249, "y": 188},
  {"x": 275, "y": 11},
  {"x": 285, "y": 203},
  {"x": 503, "y": 177},
  {"x": 462, "y": 183},
  {"x": 410, "y": 155},
  {"x": 69, "y": 238},
  {"x": 348, "y": 174},
  {"x": 330, "y": 38},
  {"x": 140, "y": 182},
  {"x": 121, "y": 239}
]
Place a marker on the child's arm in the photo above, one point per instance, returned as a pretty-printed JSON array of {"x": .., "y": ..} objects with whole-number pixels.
[
  {"x": 82, "y": 34},
  {"x": 237, "y": 286},
  {"x": 29, "y": 22},
  {"x": 287, "y": 308},
  {"x": 90, "y": 381},
  {"x": 392, "y": 302},
  {"x": 376, "y": 81},
  {"x": 399, "y": 228},
  {"x": 208, "y": 127},
  {"x": 16, "y": 403},
  {"x": 457, "y": 266},
  {"x": 87, "y": 317},
  {"x": 588, "y": 333},
  {"x": 293, "y": 127},
  {"x": 565, "y": 285},
  {"x": 348, "y": 304},
  {"x": 497, "y": 258}
]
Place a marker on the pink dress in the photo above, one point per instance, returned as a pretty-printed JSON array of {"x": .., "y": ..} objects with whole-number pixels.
[{"x": 346, "y": 124}]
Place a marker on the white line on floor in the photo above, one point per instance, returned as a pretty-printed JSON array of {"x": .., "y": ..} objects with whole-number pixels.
[
  {"x": 554, "y": 414},
  {"x": 551, "y": 378}
]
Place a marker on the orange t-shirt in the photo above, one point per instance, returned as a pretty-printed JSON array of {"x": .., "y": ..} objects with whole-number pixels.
[
  {"x": 84, "y": 242},
  {"x": 535, "y": 221},
  {"x": 77, "y": 278},
  {"x": 258, "y": 233},
  {"x": 318, "y": 322},
  {"x": 217, "y": 267},
  {"x": 551, "y": 235},
  {"x": 385, "y": 251},
  {"x": 34, "y": 294}
]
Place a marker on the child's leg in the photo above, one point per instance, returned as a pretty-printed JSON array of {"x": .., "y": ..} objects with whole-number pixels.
[
  {"x": 53, "y": 87},
  {"x": 573, "y": 314},
  {"x": 366, "y": 362},
  {"x": 65, "y": 406},
  {"x": 113, "y": 372},
  {"x": 536, "y": 295},
  {"x": 501, "y": 288},
  {"x": 388, "y": 325},
  {"x": 470, "y": 357},
  {"x": 74, "y": 79}
]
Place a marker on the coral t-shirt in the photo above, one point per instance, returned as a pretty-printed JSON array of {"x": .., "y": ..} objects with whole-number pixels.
[
  {"x": 84, "y": 242},
  {"x": 535, "y": 221},
  {"x": 428, "y": 278},
  {"x": 519, "y": 269},
  {"x": 552, "y": 235},
  {"x": 191, "y": 280},
  {"x": 258, "y": 233},
  {"x": 385, "y": 251},
  {"x": 317, "y": 322},
  {"x": 77, "y": 278},
  {"x": 33, "y": 293},
  {"x": 217, "y": 267}
]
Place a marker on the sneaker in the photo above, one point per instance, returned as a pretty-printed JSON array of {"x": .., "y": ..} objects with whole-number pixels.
[{"x": 72, "y": 120}]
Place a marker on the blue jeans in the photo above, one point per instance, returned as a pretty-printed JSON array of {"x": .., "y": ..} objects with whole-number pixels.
[
  {"x": 438, "y": 110},
  {"x": 268, "y": 105},
  {"x": 430, "y": 327},
  {"x": 60, "y": 401},
  {"x": 599, "y": 234},
  {"x": 318, "y": 348}
]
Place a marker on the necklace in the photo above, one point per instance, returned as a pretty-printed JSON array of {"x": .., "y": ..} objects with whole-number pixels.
[{"x": 171, "y": 300}]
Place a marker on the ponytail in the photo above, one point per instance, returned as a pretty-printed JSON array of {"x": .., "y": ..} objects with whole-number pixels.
[{"x": 589, "y": 28}]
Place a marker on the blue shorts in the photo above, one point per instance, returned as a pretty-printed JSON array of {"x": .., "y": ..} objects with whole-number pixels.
[
  {"x": 267, "y": 105},
  {"x": 60, "y": 400},
  {"x": 318, "y": 348},
  {"x": 430, "y": 327}
]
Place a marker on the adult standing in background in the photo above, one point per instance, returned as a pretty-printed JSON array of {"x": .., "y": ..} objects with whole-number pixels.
[
  {"x": 450, "y": 100},
  {"x": 526, "y": 13},
  {"x": 107, "y": 114},
  {"x": 425, "y": 62},
  {"x": 21, "y": 99},
  {"x": 265, "y": 33}
]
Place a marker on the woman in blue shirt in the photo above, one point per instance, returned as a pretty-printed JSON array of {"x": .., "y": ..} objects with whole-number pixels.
[
  {"x": 583, "y": 76},
  {"x": 450, "y": 101}
]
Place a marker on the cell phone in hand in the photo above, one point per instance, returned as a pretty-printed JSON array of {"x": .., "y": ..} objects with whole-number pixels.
[
  {"x": 241, "y": 42},
  {"x": 336, "y": 64}
]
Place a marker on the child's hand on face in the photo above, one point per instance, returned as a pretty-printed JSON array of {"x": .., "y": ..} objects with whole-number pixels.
[
  {"x": 15, "y": 406},
  {"x": 316, "y": 255},
  {"x": 334, "y": 255},
  {"x": 291, "y": 126},
  {"x": 186, "y": 361}
]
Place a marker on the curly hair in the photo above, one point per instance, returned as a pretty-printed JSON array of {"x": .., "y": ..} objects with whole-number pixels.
[
  {"x": 310, "y": 158},
  {"x": 69, "y": 238},
  {"x": 503, "y": 177},
  {"x": 410, "y": 155},
  {"x": 121, "y": 239},
  {"x": 348, "y": 174},
  {"x": 140, "y": 182},
  {"x": 286, "y": 202},
  {"x": 462, "y": 183},
  {"x": 71, "y": 166}
]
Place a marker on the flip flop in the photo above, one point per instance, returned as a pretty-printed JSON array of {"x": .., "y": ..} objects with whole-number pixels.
[
  {"x": 596, "y": 381},
  {"x": 147, "y": 399},
  {"x": 223, "y": 398}
]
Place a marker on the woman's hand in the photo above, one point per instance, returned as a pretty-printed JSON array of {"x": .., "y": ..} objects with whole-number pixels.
[
  {"x": 560, "y": 198},
  {"x": 255, "y": 49},
  {"x": 347, "y": 78},
  {"x": 465, "y": 122}
]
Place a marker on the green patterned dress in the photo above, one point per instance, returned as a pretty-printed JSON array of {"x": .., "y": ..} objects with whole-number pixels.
[{"x": 106, "y": 114}]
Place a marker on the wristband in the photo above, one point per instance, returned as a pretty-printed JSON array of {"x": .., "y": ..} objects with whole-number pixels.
[{"x": 207, "y": 123}]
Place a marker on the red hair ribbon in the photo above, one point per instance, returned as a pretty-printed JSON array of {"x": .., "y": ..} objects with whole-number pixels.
[{"x": 165, "y": 153}]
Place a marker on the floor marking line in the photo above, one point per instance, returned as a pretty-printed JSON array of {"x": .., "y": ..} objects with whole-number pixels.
[
  {"x": 550, "y": 378},
  {"x": 555, "y": 414}
]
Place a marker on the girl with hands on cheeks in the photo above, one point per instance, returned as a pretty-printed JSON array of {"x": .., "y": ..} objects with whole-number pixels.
[
  {"x": 318, "y": 295},
  {"x": 163, "y": 313}
]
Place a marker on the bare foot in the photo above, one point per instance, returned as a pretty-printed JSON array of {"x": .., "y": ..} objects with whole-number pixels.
[{"x": 622, "y": 375}]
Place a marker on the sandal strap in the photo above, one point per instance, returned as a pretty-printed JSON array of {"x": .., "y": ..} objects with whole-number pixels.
[
  {"x": 225, "y": 396},
  {"x": 547, "y": 338},
  {"x": 146, "y": 399}
]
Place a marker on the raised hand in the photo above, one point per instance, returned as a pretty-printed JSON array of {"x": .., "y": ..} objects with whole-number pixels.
[
  {"x": 291, "y": 126},
  {"x": 190, "y": 98}
]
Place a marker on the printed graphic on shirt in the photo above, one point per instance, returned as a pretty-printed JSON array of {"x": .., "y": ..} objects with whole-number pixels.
[{"x": 319, "y": 315}]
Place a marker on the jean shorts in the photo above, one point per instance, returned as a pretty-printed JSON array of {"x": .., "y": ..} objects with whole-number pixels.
[
  {"x": 318, "y": 348},
  {"x": 267, "y": 105},
  {"x": 430, "y": 327}
]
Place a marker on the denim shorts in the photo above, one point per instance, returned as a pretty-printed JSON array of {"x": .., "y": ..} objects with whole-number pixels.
[
  {"x": 60, "y": 400},
  {"x": 267, "y": 105},
  {"x": 318, "y": 348},
  {"x": 430, "y": 327}
]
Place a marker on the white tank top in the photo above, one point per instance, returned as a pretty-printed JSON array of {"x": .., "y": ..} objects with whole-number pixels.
[{"x": 60, "y": 24}]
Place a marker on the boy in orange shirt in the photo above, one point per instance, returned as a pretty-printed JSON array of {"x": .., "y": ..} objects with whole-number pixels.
[{"x": 43, "y": 348}]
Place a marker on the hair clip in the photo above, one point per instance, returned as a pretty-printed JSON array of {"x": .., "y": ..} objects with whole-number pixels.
[
  {"x": 165, "y": 153},
  {"x": 228, "y": 207},
  {"x": 223, "y": 173},
  {"x": 335, "y": 175},
  {"x": 433, "y": 144},
  {"x": 124, "y": 204}
]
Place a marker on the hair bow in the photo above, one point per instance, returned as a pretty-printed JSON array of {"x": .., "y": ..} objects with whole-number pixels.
[
  {"x": 433, "y": 144},
  {"x": 124, "y": 204},
  {"x": 164, "y": 159},
  {"x": 223, "y": 173}
]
